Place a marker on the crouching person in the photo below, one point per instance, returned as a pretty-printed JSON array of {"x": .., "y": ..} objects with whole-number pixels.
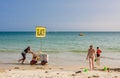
[{"x": 34, "y": 59}]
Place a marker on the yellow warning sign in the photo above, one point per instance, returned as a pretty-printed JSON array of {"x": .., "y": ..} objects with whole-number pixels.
[{"x": 40, "y": 31}]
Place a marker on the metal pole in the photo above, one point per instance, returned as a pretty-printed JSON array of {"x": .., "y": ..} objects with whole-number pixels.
[{"x": 40, "y": 44}]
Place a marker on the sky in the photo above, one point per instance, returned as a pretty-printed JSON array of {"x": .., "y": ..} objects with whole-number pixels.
[{"x": 60, "y": 15}]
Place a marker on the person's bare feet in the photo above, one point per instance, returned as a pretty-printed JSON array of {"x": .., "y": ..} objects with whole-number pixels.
[{"x": 19, "y": 60}]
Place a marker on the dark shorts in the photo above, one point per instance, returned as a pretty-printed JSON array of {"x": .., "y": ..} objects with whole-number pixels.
[
  {"x": 98, "y": 55},
  {"x": 23, "y": 55}
]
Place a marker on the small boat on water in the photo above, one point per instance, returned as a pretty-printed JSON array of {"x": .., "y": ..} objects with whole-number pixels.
[{"x": 81, "y": 34}]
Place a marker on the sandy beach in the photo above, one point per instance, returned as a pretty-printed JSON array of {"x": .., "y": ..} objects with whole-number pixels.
[
  {"x": 61, "y": 67},
  {"x": 49, "y": 71}
]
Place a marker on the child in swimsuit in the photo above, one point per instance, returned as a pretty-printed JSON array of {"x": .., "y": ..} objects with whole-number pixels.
[
  {"x": 91, "y": 56},
  {"x": 98, "y": 55}
]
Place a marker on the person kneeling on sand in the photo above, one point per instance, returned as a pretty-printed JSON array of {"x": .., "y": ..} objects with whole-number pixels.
[
  {"x": 34, "y": 59},
  {"x": 43, "y": 57}
]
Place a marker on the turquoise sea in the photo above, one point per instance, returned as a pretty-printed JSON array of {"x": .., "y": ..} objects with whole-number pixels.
[
  {"x": 63, "y": 48},
  {"x": 59, "y": 41}
]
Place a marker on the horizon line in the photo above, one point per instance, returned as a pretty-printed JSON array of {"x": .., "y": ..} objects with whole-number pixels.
[{"x": 61, "y": 31}]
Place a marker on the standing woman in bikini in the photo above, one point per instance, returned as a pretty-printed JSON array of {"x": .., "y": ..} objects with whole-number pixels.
[{"x": 91, "y": 56}]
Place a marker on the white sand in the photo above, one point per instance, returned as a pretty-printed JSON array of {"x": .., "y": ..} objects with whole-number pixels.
[{"x": 56, "y": 73}]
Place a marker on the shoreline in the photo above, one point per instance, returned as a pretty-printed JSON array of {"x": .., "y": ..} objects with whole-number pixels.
[{"x": 63, "y": 59}]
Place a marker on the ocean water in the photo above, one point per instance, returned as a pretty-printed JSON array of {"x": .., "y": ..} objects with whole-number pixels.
[
  {"x": 59, "y": 41},
  {"x": 63, "y": 48}
]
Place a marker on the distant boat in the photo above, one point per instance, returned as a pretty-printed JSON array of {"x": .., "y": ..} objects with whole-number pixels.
[{"x": 81, "y": 34}]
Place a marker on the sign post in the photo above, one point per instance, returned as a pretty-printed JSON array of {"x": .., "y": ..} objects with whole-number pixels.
[{"x": 40, "y": 33}]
